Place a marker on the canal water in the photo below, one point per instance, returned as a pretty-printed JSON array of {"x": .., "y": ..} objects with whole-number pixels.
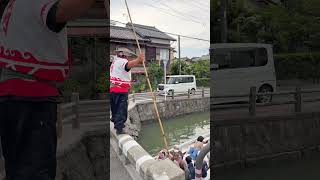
[
  {"x": 178, "y": 130},
  {"x": 307, "y": 169}
]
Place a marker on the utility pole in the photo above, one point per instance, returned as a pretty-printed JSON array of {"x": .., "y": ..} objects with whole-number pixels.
[
  {"x": 223, "y": 16},
  {"x": 179, "y": 55}
]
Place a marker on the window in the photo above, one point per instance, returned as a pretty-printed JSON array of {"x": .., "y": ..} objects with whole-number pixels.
[
  {"x": 171, "y": 80},
  {"x": 188, "y": 79},
  {"x": 239, "y": 58}
]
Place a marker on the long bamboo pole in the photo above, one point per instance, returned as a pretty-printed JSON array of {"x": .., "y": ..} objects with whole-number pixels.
[{"x": 148, "y": 80}]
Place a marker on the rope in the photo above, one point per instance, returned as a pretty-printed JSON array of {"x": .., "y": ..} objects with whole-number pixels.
[{"x": 148, "y": 80}]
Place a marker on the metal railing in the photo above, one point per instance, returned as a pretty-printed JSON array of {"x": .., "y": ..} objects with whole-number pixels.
[
  {"x": 253, "y": 95},
  {"x": 200, "y": 91}
]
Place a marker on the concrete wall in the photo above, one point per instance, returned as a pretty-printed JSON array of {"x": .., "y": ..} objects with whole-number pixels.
[
  {"x": 146, "y": 166},
  {"x": 85, "y": 159},
  {"x": 248, "y": 142},
  {"x": 168, "y": 109}
]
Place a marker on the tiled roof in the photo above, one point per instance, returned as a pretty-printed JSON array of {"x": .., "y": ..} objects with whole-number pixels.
[
  {"x": 150, "y": 32},
  {"x": 123, "y": 33}
]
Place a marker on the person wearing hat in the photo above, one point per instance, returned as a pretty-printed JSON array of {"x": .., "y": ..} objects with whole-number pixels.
[
  {"x": 34, "y": 61},
  {"x": 120, "y": 83}
]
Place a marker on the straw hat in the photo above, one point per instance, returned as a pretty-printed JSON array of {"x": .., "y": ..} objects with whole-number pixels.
[{"x": 125, "y": 51}]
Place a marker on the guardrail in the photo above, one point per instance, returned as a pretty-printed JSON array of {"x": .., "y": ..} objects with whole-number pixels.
[
  {"x": 200, "y": 91},
  {"x": 78, "y": 111},
  {"x": 252, "y": 103}
]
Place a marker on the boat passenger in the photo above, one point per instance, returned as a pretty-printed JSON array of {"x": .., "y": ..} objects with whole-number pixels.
[
  {"x": 191, "y": 168},
  {"x": 198, "y": 145}
]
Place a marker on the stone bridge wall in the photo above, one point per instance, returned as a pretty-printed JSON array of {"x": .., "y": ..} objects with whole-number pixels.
[
  {"x": 248, "y": 142},
  {"x": 144, "y": 112}
]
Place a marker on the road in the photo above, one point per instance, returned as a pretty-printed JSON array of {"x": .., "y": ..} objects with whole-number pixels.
[
  {"x": 146, "y": 97},
  {"x": 224, "y": 114}
]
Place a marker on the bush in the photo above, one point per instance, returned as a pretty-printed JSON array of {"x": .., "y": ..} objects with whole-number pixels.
[
  {"x": 297, "y": 66},
  {"x": 155, "y": 74},
  {"x": 102, "y": 85},
  {"x": 71, "y": 85},
  {"x": 203, "y": 82}
]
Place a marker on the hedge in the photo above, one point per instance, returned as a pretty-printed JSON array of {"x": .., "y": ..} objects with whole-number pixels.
[
  {"x": 297, "y": 66},
  {"x": 203, "y": 82}
]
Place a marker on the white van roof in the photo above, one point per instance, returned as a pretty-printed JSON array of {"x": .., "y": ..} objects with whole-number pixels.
[
  {"x": 181, "y": 76},
  {"x": 239, "y": 45}
]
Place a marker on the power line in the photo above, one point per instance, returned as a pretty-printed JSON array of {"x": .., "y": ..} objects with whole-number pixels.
[
  {"x": 175, "y": 10},
  {"x": 194, "y": 4},
  {"x": 189, "y": 37},
  {"x": 169, "y": 13},
  {"x": 165, "y": 11}
]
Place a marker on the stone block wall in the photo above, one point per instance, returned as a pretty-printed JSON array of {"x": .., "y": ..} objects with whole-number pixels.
[
  {"x": 247, "y": 142},
  {"x": 169, "y": 109}
]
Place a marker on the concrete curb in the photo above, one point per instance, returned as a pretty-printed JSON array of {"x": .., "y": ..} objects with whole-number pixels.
[{"x": 145, "y": 164}]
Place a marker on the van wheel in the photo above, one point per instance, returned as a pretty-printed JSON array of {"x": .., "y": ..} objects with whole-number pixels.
[
  {"x": 264, "y": 98},
  {"x": 193, "y": 91},
  {"x": 170, "y": 92}
]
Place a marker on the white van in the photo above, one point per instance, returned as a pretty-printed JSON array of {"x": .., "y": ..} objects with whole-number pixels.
[
  {"x": 237, "y": 67},
  {"x": 179, "y": 84}
]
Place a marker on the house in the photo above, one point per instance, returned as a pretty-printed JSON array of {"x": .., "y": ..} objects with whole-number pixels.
[
  {"x": 89, "y": 56},
  {"x": 155, "y": 44},
  {"x": 93, "y": 24}
]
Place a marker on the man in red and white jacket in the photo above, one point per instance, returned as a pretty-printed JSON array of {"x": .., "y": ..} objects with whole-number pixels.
[
  {"x": 33, "y": 58},
  {"x": 120, "y": 83}
]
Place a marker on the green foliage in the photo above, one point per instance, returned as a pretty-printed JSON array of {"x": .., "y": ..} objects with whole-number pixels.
[
  {"x": 175, "y": 67},
  {"x": 102, "y": 84},
  {"x": 155, "y": 75},
  {"x": 291, "y": 27},
  {"x": 140, "y": 84},
  {"x": 71, "y": 85},
  {"x": 203, "y": 82},
  {"x": 142, "y": 87},
  {"x": 200, "y": 69},
  {"x": 298, "y": 66}
]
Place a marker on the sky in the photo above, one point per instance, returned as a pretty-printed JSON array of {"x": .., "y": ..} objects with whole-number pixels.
[{"x": 184, "y": 17}]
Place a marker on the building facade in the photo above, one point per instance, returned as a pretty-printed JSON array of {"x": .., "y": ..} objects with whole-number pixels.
[{"x": 155, "y": 44}]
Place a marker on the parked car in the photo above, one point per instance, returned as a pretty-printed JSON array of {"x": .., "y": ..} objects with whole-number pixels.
[
  {"x": 178, "y": 84},
  {"x": 236, "y": 67}
]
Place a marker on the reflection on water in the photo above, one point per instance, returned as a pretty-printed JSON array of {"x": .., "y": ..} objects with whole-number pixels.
[
  {"x": 178, "y": 130},
  {"x": 298, "y": 170}
]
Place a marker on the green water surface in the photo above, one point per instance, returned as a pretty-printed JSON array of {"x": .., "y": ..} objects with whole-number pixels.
[{"x": 178, "y": 130}]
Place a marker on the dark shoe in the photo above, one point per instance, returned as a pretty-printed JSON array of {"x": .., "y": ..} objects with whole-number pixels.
[
  {"x": 120, "y": 132},
  {"x": 123, "y": 131}
]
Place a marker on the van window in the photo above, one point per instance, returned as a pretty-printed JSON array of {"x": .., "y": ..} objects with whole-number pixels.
[
  {"x": 239, "y": 58},
  {"x": 172, "y": 80},
  {"x": 189, "y": 79},
  {"x": 186, "y": 80}
]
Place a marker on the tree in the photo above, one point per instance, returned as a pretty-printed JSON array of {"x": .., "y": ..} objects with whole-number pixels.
[
  {"x": 201, "y": 69},
  {"x": 155, "y": 75},
  {"x": 175, "y": 67}
]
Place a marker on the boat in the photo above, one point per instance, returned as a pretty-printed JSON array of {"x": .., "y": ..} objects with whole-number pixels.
[{"x": 184, "y": 148}]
